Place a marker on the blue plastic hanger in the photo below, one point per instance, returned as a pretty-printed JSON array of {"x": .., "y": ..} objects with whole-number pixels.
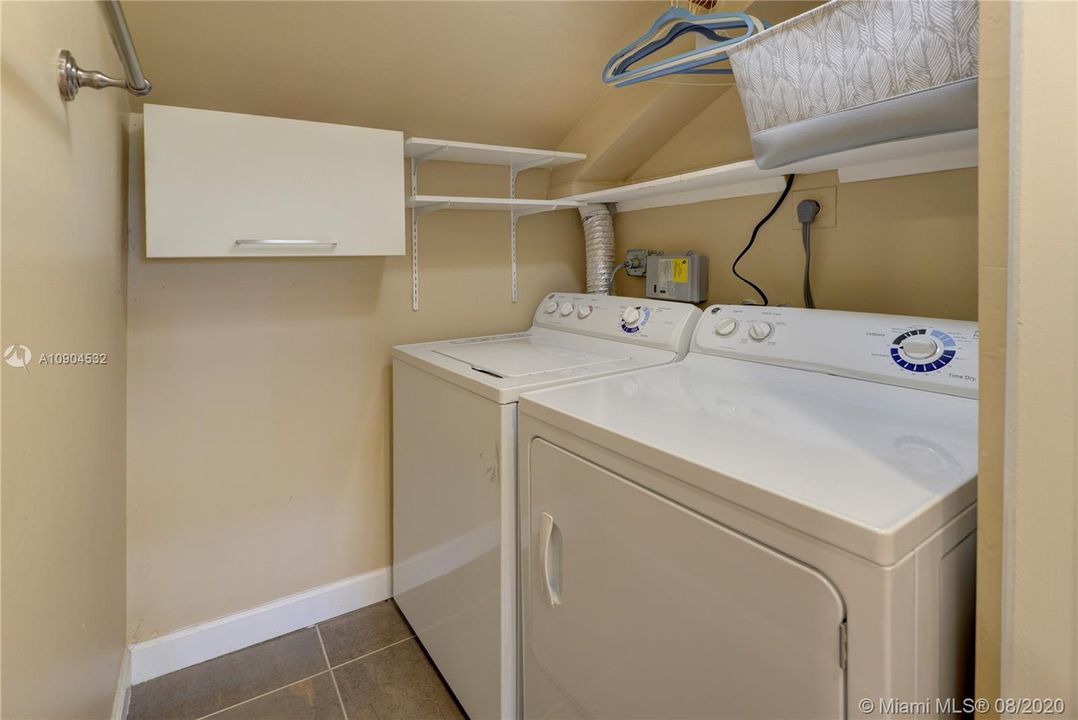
[
  {"x": 676, "y": 31},
  {"x": 618, "y": 69},
  {"x": 686, "y": 63}
]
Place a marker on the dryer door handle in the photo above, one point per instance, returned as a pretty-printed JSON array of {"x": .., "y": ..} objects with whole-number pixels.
[{"x": 550, "y": 558}]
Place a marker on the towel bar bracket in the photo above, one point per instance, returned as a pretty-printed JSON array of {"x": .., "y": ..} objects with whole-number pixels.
[{"x": 70, "y": 77}]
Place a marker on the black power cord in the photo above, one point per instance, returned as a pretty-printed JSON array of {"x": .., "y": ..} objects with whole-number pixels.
[
  {"x": 807, "y": 210},
  {"x": 755, "y": 231}
]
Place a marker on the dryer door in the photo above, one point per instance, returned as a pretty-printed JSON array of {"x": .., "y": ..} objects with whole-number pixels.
[{"x": 635, "y": 607}]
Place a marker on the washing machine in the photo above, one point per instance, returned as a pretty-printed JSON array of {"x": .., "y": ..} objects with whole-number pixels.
[
  {"x": 454, "y": 472},
  {"x": 780, "y": 526}
]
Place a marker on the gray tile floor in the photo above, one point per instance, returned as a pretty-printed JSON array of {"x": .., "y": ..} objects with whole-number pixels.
[{"x": 366, "y": 665}]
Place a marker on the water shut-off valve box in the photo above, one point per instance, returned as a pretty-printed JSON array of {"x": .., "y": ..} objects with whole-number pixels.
[{"x": 677, "y": 277}]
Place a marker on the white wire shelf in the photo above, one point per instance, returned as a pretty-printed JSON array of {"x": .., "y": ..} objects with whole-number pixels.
[
  {"x": 479, "y": 154},
  {"x": 519, "y": 206},
  {"x": 950, "y": 151},
  {"x": 516, "y": 159}
]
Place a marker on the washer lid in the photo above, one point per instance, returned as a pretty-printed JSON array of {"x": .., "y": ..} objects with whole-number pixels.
[
  {"x": 872, "y": 468},
  {"x": 500, "y": 367},
  {"x": 517, "y": 357}
]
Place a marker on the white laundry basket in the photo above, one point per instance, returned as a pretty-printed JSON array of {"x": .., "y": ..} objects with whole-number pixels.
[{"x": 852, "y": 73}]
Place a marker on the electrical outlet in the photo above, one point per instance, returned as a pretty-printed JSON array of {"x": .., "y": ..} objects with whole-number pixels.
[
  {"x": 826, "y": 196},
  {"x": 637, "y": 262}
]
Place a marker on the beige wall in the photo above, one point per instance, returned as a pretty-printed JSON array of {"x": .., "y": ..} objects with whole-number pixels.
[
  {"x": 259, "y": 435},
  {"x": 259, "y": 399},
  {"x": 514, "y": 73},
  {"x": 904, "y": 245},
  {"x": 1040, "y": 526},
  {"x": 63, "y": 441},
  {"x": 993, "y": 176}
]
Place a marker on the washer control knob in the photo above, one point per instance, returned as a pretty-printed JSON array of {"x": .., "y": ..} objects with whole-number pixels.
[
  {"x": 726, "y": 326},
  {"x": 567, "y": 309},
  {"x": 760, "y": 330},
  {"x": 550, "y": 308},
  {"x": 919, "y": 347},
  {"x": 631, "y": 316},
  {"x": 583, "y": 311}
]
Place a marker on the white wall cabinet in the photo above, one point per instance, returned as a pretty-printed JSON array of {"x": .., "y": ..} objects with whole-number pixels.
[{"x": 229, "y": 185}]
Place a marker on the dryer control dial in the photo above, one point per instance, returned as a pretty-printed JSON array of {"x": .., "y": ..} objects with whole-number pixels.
[
  {"x": 760, "y": 330},
  {"x": 566, "y": 309},
  {"x": 919, "y": 347},
  {"x": 550, "y": 308},
  {"x": 631, "y": 316},
  {"x": 923, "y": 350},
  {"x": 583, "y": 311}
]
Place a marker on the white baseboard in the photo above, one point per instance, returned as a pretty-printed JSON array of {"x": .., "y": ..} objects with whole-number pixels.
[
  {"x": 122, "y": 697},
  {"x": 206, "y": 641}
]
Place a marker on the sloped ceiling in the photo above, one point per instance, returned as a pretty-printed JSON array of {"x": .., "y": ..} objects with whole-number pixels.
[{"x": 518, "y": 73}]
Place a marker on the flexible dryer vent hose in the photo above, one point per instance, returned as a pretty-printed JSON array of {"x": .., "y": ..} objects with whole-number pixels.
[{"x": 598, "y": 247}]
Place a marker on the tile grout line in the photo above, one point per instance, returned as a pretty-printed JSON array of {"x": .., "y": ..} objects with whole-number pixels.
[
  {"x": 332, "y": 675},
  {"x": 372, "y": 652},
  {"x": 330, "y": 669},
  {"x": 259, "y": 697}
]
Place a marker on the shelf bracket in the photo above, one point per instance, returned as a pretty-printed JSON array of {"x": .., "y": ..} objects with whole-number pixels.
[
  {"x": 418, "y": 160},
  {"x": 513, "y": 215},
  {"x": 515, "y": 170},
  {"x": 415, "y": 259},
  {"x": 433, "y": 207},
  {"x": 418, "y": 212},
  {"x": 534, "y": 163}
]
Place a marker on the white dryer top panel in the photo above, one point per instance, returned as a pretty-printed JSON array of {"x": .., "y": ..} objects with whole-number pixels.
[{"x": 866, "y": 465}]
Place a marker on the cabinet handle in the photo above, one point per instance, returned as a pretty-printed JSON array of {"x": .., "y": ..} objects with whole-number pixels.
[
  {"x": 551, "y": 585},
  {"x": 292, "y": 243}
]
